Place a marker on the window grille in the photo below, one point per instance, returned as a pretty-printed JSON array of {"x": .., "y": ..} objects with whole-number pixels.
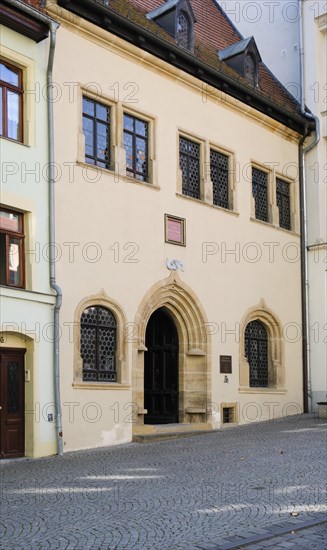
[
  {"x": 98, "y": 344},
  {"x": 228, "y": 415},
  {"x": 219, "y": 178},
  {"x": 260, "y": 194},
  {"x": 283, "y": 203},
  {"x": 189, "y": 161},
  {"x": 256, "y": 351},
  {"x": 183, "y": 30}
]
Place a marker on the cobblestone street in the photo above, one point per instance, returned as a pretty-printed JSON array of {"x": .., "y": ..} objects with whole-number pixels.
[{"x": 256, "y": 486}]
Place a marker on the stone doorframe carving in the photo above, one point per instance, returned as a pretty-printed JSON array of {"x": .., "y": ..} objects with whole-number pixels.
[
  {"x": 276, "y": 363},
  {"x": 194, "y": 347}
]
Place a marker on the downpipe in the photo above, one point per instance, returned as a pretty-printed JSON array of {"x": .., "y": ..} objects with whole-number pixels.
[
  {"x": 303, "y": 151},
  {"x": 53, "y": 283}
]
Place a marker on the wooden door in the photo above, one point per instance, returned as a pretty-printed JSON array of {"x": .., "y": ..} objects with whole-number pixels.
[
  {"x": 161, "y": 370},
  {"x": 12, "y": 403}
]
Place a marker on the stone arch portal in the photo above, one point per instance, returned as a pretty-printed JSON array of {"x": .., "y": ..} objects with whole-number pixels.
[{"x": 194, "y": 348}]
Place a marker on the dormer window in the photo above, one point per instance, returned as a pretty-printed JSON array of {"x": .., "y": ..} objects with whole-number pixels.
[
  {"x": 183, "y": 34},
  {"x": 250, "y": 69},
  {"x": 176, "y": 17},
  {"x": 244, "y": 58}
]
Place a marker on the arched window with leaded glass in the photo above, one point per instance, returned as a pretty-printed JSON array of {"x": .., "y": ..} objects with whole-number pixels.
[
  {"x": 98, "y": 344},
  {"x": 183, "y": 34},
  {"x": 256, "y": 352},
  {"x": 250, "y": 70}
]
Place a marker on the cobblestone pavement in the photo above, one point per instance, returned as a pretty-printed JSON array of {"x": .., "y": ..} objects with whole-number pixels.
[{"x": 256, "y": 486}]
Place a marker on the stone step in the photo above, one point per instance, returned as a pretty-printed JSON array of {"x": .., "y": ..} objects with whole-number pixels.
[{"x": 171, "y": 431}]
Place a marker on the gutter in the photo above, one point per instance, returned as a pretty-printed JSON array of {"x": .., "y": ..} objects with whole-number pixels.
[
  {"x": 307, "y": 391},
  {"x": 53, "y": 26}
]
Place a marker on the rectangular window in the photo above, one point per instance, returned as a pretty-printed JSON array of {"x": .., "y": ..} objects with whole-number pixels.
[
  {"x": 189, "y": 162},
  {"x": 136, "y": 134},
  {"x": 96, "y": 129},
  {"x": 283, "y": 203},
  {"x": 11, "y": 248},
  {"x": 260, "y": 194},
  {"x": 219, "y": 176},
  {"x": 11, "y": 101}
]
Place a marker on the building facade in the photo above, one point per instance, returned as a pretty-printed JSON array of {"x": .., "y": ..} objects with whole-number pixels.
[
  {"x": 178, "y": 223},
  {"x": 26, "y": 338},
  {"x": 315, "y": 85}
]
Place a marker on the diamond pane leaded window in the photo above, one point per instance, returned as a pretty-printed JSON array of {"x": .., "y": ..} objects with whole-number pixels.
[
  {"x": 136, "y": 146},
  {"x": 98, "y": 344},
  {"x": 260, "y": 194},
  {"x": 96, "y": 129},
  {"x": 219, "y": 178},
  {"x": 183, "y": 30},
  {"x": 189, "y": 162},
  {"x": 256, "y": 351},
  {"x": 283, "y": 203}
]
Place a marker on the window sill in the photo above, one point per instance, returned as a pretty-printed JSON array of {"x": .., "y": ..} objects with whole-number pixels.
[
  {"x": 11, "y": 140},
  {"x": 100, "y": 386},
  {"x": 116, "y": 175},
  {"x": 272, "y": 226},
  {"x": 262, "y": 391},
  {"x": 203, "y": 203}
]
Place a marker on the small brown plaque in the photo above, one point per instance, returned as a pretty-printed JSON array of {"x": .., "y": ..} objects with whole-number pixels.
[
  {"x": 174, "y": 230},
  {"x": 225, "y": 364}
]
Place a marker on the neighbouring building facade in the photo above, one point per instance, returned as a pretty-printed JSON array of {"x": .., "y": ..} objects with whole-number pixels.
[
  {"x": 315, "y": 95},
  {"x": 27, "y": 425},
  {"x": 177, "y": 223}
]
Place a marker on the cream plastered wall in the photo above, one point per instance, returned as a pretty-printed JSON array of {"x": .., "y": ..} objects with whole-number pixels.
[
  {"x": 111, "y": 230},
  {"x": 27, "y": 315},
  {"x": 28, "y": 323}
]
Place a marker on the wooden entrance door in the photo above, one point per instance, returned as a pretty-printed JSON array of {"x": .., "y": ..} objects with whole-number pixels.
[
  {"x": 161, "y": 369},
  {"x": 12, "y": 403}
]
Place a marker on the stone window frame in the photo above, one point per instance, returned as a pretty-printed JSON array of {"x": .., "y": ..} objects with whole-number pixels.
[
  {"x": 273, "y": 212},
  {"x": 201, "y": 146},
  {"x": 206, "y": 185},
  {"x": 270, "y": 202},
  {"x": 117, "y": 151},
  {"x": 276, "y": 362},
  {"x": 85, "y": 91},
  {"x": 123, "y": 377},
  {"x": 293, "y": 203},
  {"x": 232, "y": 191},
  {"x": 151, "y": 161}
]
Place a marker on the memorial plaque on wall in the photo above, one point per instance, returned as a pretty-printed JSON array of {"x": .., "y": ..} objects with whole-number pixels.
[
  {"x": 225, "y": 364},
  {"x": 175, "y": 230}
]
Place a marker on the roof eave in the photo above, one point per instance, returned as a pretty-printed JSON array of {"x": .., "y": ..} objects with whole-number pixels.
[{"x": 108, "y": 19}]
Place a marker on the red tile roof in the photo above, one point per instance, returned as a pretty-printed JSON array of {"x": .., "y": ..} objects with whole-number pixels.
[{"x": 213, "y": 31}]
